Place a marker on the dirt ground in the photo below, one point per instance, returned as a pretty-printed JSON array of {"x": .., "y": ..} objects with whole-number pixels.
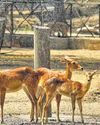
[{"x": 17, "y": 106}]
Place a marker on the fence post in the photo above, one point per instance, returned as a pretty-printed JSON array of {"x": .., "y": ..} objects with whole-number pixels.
[
  {"x": 99, "y": 19},
  {"x": 71, "y": 11},
  {"x": 2, "y": 29},
  {"x": 42, "y": 49},
  {"x": 12, "y": 26},
  {"x": 59, "y": 11},
  {"x": 3, "y": 25}
]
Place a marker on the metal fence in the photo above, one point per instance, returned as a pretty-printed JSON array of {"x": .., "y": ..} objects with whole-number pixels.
[{"x": 82, "y": 19}]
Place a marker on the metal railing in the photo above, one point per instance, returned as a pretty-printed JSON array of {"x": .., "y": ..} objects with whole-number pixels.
[{"x": 77, "y": 17}]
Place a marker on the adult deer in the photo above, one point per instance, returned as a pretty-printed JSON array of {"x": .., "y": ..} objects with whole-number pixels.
[
  {"x": 71, "y": 64},
  {"x": 73, "y": 89},
  {"x": 16, "y": 79}
]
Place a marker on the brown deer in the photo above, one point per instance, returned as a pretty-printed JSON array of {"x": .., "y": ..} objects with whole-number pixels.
[
  {"x": 16, "y": 79},
  {"x": 26, "y": 78},
  {"x": 73, "y": 89},
  {"x": 71, "y": 64}
]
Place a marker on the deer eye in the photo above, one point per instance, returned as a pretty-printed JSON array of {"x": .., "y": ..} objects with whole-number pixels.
[
  {"x": 74, "y": 63},
  {"x": 69, "y": 63}
]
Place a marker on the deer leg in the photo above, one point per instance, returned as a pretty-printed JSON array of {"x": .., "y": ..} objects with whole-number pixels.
[
  {"x": 79, "y": 101},
  {"x": 2, "y": 99},
  {"x": 46, "y": 114},
  {"x": 40, "y": 104},
  {"x": 32, "y": 109},
  {"x": 73, "y": 99},
  {"x": 58, "y": 99},
  {"x": 32, "y": 112},
  {"x": 33, "y": 99},
  {"x": 49, "y": 98},
  {"x": 45, "y": 108}
]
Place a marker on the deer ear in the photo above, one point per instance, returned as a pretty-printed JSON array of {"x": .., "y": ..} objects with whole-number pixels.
[
  {"x": 93, "y": 72},
  {"x": 62, "y": 60},
  {"x": 68, "y": 59},
  {"x": 86, "y": 73}
]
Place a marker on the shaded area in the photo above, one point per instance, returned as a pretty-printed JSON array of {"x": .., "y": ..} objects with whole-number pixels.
[
  {"x": 10, "y": 60},
  {"x": 23, "y": 120}
]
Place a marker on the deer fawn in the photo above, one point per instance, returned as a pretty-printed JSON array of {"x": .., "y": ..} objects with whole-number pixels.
[
  {"x": 16, "y": 79},
  {"x": 47, "y": 74},
  {"x": 73, "y": 89}
]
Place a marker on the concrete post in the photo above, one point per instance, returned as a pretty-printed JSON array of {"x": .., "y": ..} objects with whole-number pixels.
[
  {"x": 41, "y": 47},
  {"x": 42, "y": 50}
]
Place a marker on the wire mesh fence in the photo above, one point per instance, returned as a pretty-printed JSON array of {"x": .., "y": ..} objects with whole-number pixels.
[{"x": 83, "y": 19}]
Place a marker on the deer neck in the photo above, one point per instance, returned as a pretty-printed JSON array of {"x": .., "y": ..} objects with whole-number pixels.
[
  {"x": 88, "y": 85},
  {"x": 68, "y": 72}
]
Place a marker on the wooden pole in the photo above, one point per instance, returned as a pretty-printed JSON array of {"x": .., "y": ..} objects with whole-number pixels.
[{"x": 42, "y": 50}]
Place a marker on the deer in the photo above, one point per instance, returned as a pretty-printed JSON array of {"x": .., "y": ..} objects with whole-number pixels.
[
  {"x": 73, "y": 89},
  {"x": 71, "y": 64},
  {"x": 19, "y": 78},
  {"x": 27, "y": 79}
]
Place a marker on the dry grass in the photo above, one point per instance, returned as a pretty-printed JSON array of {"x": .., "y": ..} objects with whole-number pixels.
[{"x": 93, "y": 21}]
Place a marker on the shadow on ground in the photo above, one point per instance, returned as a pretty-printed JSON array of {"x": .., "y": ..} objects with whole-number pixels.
[{"x": 24, "y": 120}]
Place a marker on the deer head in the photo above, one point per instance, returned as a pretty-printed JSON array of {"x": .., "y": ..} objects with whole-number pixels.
[
  {"x": 71, "y": 63},
  {"x": 90, "y": 75}
]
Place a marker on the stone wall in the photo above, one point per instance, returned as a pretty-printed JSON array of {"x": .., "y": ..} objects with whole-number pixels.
[
  {"x": 56, "y": 42},
  {"x": 84, "y": 43},
  {"x": 22, "y": 40}
]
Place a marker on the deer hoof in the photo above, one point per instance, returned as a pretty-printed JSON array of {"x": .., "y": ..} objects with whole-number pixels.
[
  {"x": 2, "y": 122},
  {"x": 46, "y": 120},
  {"x": 58, "y": 120},
  {"x": 36, "y": 120},
  {"x": 42, "y": 122},
  {"x": 31, "y": 120},
  {"x": 73, "y": 123}
]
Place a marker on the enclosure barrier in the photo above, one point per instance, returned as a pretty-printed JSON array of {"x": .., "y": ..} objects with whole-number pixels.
[{"x": 44, "y": 11}]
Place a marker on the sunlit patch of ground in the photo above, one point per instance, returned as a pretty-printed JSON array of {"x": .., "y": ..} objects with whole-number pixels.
[{"x": 17, "y": 105}]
